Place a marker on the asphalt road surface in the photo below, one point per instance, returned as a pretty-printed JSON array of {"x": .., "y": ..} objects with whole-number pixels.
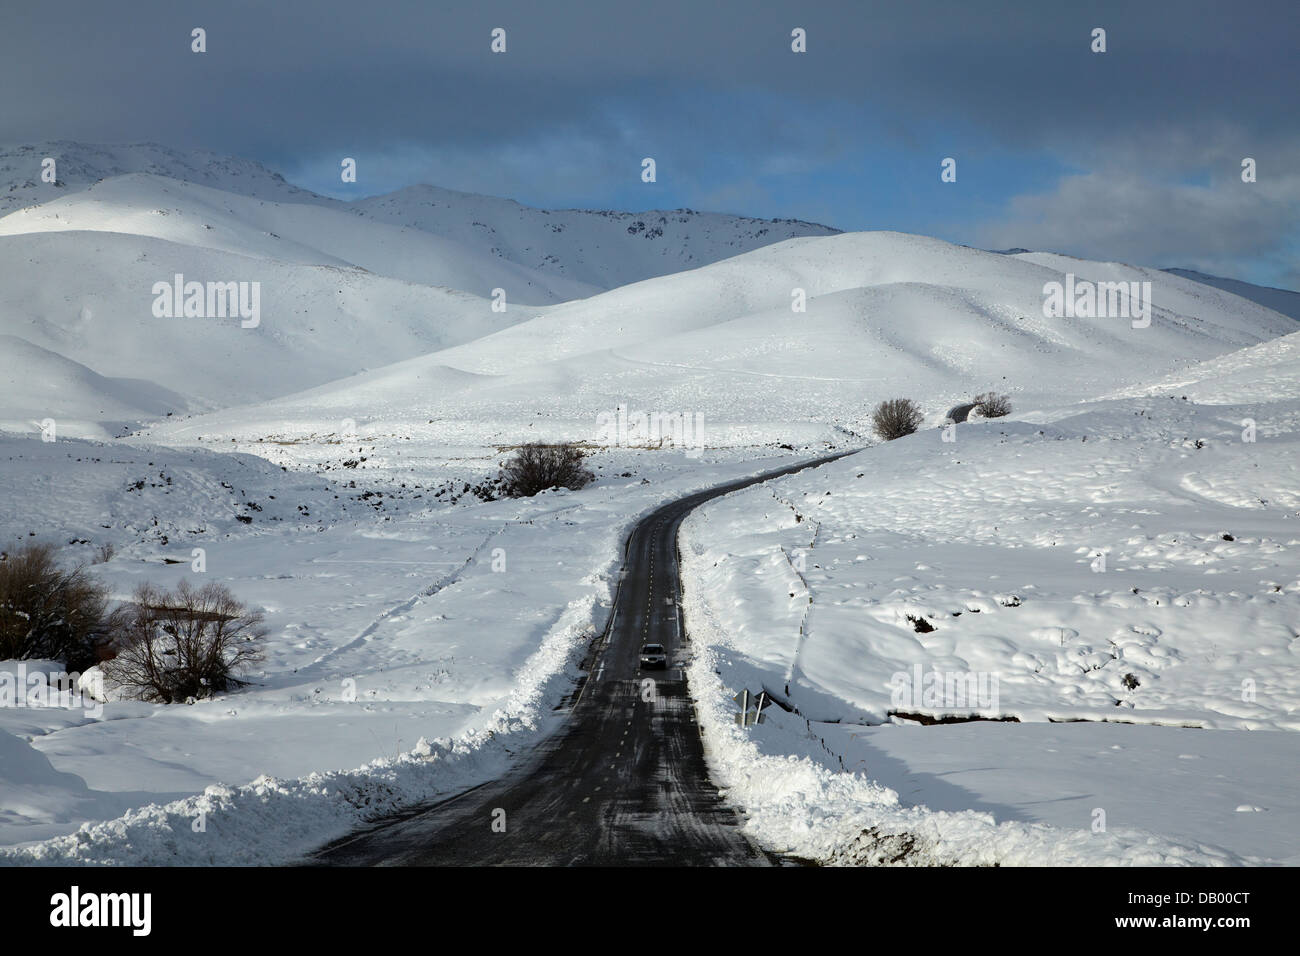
[{"x": 624, "y": 781}]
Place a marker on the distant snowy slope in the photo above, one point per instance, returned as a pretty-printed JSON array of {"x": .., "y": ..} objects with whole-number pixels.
[
  {"x": 1279, "y": 300},
  {"x": 578, "y": 251},
  {"x": 143, "y": 204},
  {"x": 80, "y": 165},
  {"x": 596, "y": 247},
  {"x": 1187, "y": 297},
  {"x": 887, "y": 314}
]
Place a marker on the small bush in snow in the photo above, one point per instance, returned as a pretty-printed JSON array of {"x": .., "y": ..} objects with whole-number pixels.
[
  {"x": 992, "y": 405},
  {"x": 920, "y": 624},
  {"x": 190, "y": 642},
  {"x": 48, "y": 613},
  {"x": 895, "y": 418},
  {"x": 535, "y": 467}
]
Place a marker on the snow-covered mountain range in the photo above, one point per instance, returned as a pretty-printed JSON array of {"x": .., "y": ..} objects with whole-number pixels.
[
  {"x": 346, "y": 286},
  {"x": 496, "y": 321}
]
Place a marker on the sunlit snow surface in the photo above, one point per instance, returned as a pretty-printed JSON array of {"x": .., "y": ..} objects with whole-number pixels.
[{"x": 992, "y": 539}]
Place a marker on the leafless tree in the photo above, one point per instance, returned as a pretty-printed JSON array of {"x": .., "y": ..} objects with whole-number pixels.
[
  {"x": 47, "y": 612},
  {"x": 191, "y": 642},
  {"x": 896, "y": 417},
  {"x": 535, "y": 467}
]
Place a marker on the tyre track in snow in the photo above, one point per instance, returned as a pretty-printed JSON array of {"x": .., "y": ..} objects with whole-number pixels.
[
  {"x": 624, "y": 781},
  {"x": 367, "y": 632}
]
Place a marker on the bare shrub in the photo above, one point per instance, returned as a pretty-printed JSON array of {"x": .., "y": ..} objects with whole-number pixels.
[
  {"x": 104, "y": 553},
  {"x": 535, "y": 467},
  {"x": 992, "y": 405},
  {"x": 186, "y": 643},
  {"x": 50, "y": 613},
  {"x": 920, "y": 624},
  {"x": 896, "y": 417}
]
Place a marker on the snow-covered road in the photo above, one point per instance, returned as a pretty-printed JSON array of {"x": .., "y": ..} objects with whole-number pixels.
[{"x": 625, "y": 781}]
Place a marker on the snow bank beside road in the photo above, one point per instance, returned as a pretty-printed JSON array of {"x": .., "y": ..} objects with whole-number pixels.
[{"x": 272, "y": 821}]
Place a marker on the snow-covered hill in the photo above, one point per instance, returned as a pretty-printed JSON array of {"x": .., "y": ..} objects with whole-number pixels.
[
  {"x": 887, "y": 314},
  {"x": 991, "y": 538},
  {"x": 39, "y": 385},
  {"x": 87, "y": 298},
  {"x": 345, "y": 287}
]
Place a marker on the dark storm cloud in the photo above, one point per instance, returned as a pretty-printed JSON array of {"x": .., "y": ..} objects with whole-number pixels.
[
  {"x": 586, "y": 89},
  {"x": 1022, "y": 71}
]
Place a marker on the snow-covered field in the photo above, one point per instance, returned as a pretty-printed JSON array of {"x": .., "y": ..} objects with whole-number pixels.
[{"x": 1110, "y": 574}]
